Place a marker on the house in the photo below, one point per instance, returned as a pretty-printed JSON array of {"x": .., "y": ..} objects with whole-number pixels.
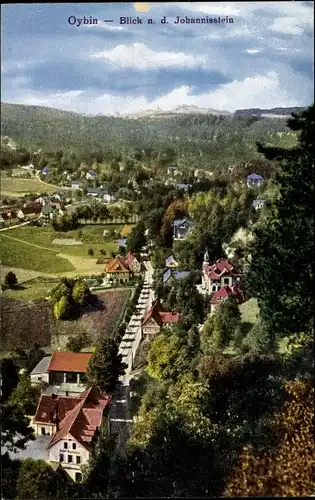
[
  {"x": 171, "y": 275},
  {"x": 132, "y": 263},
  {"x": 45, "y": 171},
  {"x": 117, "y": 271},
  {"x": 95, "y": 192},
  {"x": 47, "y": 212},
  {"x": 155, "y": 318},
  {"x": 91, "y": 175},
  {"x": 171, "y": 262},
  {"x": 257, "y": 204},
  {"x": 10, "y": 215},
  {"x": 182, "y": 228},
  {"x": 76, "y": 184},
  {"x": 172, "y": 170},
  {"x": 223, "y": 293},
  {"x": 122, "y": 242},
  {"x": 68, "y": 367},
  {"x": 184, "y": 187},
  {"x": 63, "y": 372},
  {"x": 40, "y": 373},
  {"x": 219, "y": 274},
  {"x": 108, "y": 198},
  {"x": 30, "y": 210},
  {"x": 254, "y": 180},
  {"x": 74, "y": 424}
]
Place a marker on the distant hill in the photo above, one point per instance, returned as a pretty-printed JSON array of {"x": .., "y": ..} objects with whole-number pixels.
[
  {"x": 179, "y": 110},
  {"x": 268, "y": 113},
  {"x": 199, "y": 137}
]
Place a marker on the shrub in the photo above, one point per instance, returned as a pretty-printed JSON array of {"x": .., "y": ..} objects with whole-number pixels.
[
  {"x": 10, "y": 280},
  {"x": 90, "y": 251}
]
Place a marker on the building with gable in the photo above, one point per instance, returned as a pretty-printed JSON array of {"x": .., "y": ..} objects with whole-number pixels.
[
  {"x": 117, "y": 270},
  {"x": 132, "y": 263},
  {"x": 170, "y": 262},
  {"x": 91, "y": 175},
  {"x": 254, "y": 180},
  {"x": 182, "y": 228},
  {"x": 73, "y": 424},
  {"x": 62, "y": 372},
  {"x": 257, "y": 204},
  {"x": 221, "y": 273},
  {"x": 223, "y": 293},
  {"x": 155, "y": 318},
  {"x": 170, "y": 276}
]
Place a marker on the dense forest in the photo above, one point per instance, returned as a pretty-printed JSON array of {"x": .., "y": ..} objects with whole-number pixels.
[{"x": 200, "y": 141}]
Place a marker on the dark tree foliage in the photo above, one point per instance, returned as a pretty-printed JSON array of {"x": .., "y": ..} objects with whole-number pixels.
[
  {"x": 105, "y": 366},
  {"x": 282, "y": 269},
  {"x": 9, "y": 378}
]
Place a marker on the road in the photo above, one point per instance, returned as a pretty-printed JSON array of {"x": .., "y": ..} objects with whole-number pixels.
[
  {"x": 16, "y": 225},
  {"x": 120, "y": 415}
]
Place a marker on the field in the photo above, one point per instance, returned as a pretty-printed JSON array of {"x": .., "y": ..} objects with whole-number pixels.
[
  {"x": 32, "y": 248},
  {"x": 15, "y": 187},
  {"x": 24, "y": 324},
  {"x": 102, "y": 321}
]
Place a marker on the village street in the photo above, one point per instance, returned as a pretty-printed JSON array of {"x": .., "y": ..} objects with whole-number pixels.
[{"x": 120, "y": 415}]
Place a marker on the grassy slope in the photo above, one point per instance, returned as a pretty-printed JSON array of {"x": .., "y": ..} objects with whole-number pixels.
[
  {"x": 17, "y": 254},
  {"x": 250, "y": 311},
  {"x": 11, "y": 186}
]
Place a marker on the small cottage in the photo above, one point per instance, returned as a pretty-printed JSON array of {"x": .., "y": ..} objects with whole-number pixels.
[
  {"x": 182, "y": 228},
  {"x": 155, "y": 318},
  {"x": 254, "y": 180},
  {"x": 117, "y": 271}
]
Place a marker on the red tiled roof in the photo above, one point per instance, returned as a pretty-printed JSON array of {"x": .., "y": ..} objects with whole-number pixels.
[
  {"x": 170, "y": 317},
  {"x": 226, "y": 291},
  {"x": 83, "y": 419},
  {"x": 158, "y": 313},
  {"x": 76, "y": 362},
  {"x": 220, "y": 267},
  {"x": 47, "y": 406},
  {"x": 130, "y": 257},
  {"x": 117, "y": 265},
  {"x": 32, "y": 208}
]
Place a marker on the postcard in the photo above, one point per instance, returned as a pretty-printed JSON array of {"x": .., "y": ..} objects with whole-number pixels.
[{"x": 156, "y": 295}]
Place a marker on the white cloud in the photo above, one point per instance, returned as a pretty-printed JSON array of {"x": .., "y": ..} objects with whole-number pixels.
[
  {"x": 252, "y": 51},
  {"x": 262, "y": 91},
  {"x": 140, "y": 56},
  {"x": 288, "y": 25}
]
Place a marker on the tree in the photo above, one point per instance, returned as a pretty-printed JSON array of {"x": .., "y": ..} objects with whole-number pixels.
[
  {"x": 286, "y": 470},
  {"x": 165, "y": 358},
  {"x": 105, "y": 366},
  {"x": 10, "y": 280},
  {"x": 219, "y": 329},
  {"x": 81, "y": 293},
  {"x": 15, "y": 430},
  {"x": 37, "y": 480},
  {"x": 90, "y": 251},
  {"x": 9, "y": 378},
  {"x": 25, "y": 395},
  {"x": 281, "y": 274},
  {"x": 77, "y": 342}
]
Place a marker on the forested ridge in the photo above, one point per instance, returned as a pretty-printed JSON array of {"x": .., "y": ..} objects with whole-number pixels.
[{"x": 198, "y": 140}]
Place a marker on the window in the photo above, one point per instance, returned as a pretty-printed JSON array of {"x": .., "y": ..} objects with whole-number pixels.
[
  {"x": 69, "y": 459},
  {"x": 74, "y": 446},
  {"x": 78, "y": 459},
  {"x": 78, "y": 477},
  {"x": 65, "y": 445},
  {"x": 61, "y": 457},
  {"x": 226, "y": 281},
  {"x": 43, "y": 431}
]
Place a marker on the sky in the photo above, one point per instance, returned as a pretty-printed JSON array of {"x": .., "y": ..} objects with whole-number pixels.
[{"x": 264, "y": 59}]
